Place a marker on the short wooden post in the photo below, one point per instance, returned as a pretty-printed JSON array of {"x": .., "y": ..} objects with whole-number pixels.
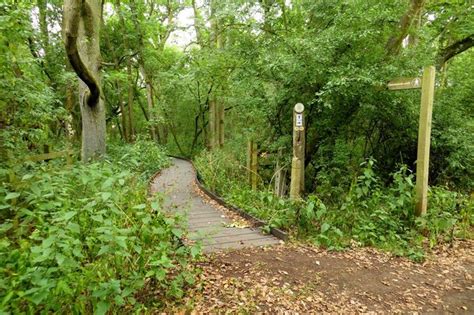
[
  {"x": 280, "y": 176},
  {"x": 254, "y": 166},
  {"x": 297, "y": 163},
  {"x": 252, "y": 163},
  {"x": 249, "y": 161},
  {"x": 69, "y": 153},
  {"x": 424, "y": 135}
]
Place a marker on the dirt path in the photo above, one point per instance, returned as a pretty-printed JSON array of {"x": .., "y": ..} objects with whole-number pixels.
[
  {"x": 310, "y": 280},
  {"x": 216, "y": 227},
  {"x": 303, "y": 279}
]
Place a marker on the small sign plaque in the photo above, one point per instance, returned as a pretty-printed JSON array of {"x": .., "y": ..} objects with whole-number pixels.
[{"x": 299, "y": 120}]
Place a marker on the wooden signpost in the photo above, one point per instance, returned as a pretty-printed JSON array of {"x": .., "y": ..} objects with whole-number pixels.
[
  {"x": 297, "y": 163},
  {"x": 424, "y": 131}
]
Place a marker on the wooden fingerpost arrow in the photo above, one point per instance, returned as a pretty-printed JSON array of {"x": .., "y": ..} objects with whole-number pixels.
[
  {"x": 404, "y": 84},
  {"x": 424, "y": 135},
  {"x": 297, "y": 163}
]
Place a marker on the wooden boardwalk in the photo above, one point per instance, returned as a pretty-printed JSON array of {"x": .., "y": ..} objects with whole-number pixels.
[{"x": 206, "y": 221}]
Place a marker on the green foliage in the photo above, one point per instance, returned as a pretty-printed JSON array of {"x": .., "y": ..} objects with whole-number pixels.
[
  {"x": 85, "y": 238},
  {"x": 368, "y": 213},
  {"x": 28, "y": 104},
  {"x": 373, "y": 215}
]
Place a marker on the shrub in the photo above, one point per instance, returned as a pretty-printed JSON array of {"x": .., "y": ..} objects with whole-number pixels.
[{"x": 85, "y": 238}]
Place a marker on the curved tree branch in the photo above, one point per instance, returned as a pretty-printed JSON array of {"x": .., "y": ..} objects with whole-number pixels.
[
  {"x": 72, "y": 16},
  {"x": 455, "y": 49}
]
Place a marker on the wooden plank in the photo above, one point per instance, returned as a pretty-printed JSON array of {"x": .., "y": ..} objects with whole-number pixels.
[
  {"x": 404, "y": 84},
  {"x": 237, "y": 245},
  {"x": 235, "y": 232},
  {"x": 210, "y": 224},
  {"x": 424, "y": 136},
  {"x": 207, "y": 229},
  {"x": 197, "y": 221},
  {"x": 196, "y": 215},
  {"x": 244, "y": 238},
  {"x": 48, "y": 156}
]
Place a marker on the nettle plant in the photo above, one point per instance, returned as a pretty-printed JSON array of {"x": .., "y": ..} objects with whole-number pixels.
[
  {"x": 86, "y": 238},
  {"x": 383, "y": 216}
]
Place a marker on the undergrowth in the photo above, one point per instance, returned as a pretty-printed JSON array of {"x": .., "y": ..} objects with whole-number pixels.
[
  {"x": 85, "y": 239},
  {"x": 369, "y": 213}
]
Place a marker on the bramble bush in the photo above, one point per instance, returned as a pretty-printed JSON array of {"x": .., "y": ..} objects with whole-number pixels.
[{"x": 85, "y": 239}]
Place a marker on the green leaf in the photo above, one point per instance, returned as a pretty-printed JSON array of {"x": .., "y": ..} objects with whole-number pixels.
[
  {"x": 60, "y": 259},
  {"x": 12, "y": 195},
  {"x": 7, "y": 298},
  {"x": 195, "y": 251},
  {"x": 104, "y": 249},
  {"x": 101, "y": 308},
  {"x": 325, "y": 227},
  {"x": 27, "y": 176},
  {"x": 108, "y": 183},
  {"x": 74, "y": 227},
  {"x": 177, "y": 232},
  {"x": 39, "y": 296},
  {"x": 49, "y": 241},
  {"x": 68, "y": 215},
  {"x": 155, "y": 205},
  {"x": 77, "y": 252},
  {"x": 105, "y": 196}
]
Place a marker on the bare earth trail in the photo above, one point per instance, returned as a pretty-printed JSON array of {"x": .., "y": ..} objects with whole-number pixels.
[
  {"x": 217, "y": 227},
  {"x": 303, "y": 279}
]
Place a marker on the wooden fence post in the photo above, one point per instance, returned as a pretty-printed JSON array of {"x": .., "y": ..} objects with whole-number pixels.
[
  {"x": 424, "y": 135},
  {"x": 252, "y": 163},
  {"x": 297, "y": 163},
  {"x": 280, "y": 176}
]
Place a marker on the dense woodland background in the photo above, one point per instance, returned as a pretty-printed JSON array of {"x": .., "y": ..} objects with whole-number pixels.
[{"x": 236, "y": 76}]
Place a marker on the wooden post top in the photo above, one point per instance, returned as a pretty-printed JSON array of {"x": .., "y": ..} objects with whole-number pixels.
[{"x": 299, "y": 108}]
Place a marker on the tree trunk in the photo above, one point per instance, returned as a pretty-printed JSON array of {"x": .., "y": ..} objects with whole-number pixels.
[
  {"x": 123, "y": 116},
  {"x": 395, "y": 42},
  {"x": 82, "y": 23},
  {"x": 212, "y": 123},
  {"x": 43, "y": 23},
  {"x": 220, "y": 122},
  {"x": 216, "y": 108},
  {"x": 197, "y": 23},
  {"x": 130, "y": 99}
]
